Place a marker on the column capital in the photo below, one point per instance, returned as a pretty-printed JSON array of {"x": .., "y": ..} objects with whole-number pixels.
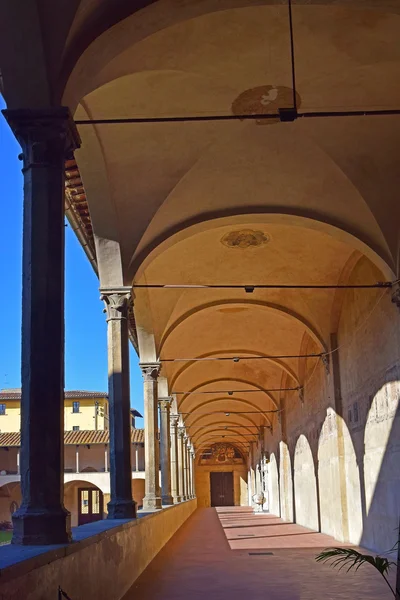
[
  {"x": 181, "y": 432},
  {"x": 150, "y": 371},
  {"x": 174, "y": 420},
  {"x": 165, "y": 403},
  {"x": 116, "y": 302},
  {"x": 44, "y": 134}
]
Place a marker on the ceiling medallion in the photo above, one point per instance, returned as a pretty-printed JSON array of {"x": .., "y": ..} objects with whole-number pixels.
[
  {"x": 244, "y": 238},
  {"x": 263, "y": 100}
]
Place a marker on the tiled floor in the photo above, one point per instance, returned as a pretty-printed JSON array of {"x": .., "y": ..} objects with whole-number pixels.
[{"x": 231, "y": 553}]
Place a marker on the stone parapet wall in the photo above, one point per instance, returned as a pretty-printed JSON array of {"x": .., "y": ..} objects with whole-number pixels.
[{"x": 102, "y": 563}]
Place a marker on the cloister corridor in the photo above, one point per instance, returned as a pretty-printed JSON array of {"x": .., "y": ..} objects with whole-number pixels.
[{"x": 233, "y": 553}]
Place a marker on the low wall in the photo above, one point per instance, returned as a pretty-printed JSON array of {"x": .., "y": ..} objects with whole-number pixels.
[{"x": 102, "y": 563}]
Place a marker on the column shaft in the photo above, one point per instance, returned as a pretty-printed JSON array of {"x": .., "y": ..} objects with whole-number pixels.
[
  {"x": 105, "y": 458},
  {"x": 152, "y": 499},
  {"x": 77, "y": 459},
  {"x": 181, "y": 462},
  {"x": 176, "y": 496},
  {"x": 188, "y": 493},
  {"x": 121, "y": 505},
  {"x": 47, "y": 137},
  {"x": 137, "y": 457},
  {"x": 165, "y": 451}
]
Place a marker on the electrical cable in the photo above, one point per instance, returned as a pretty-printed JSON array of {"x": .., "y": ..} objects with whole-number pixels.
[{"x": 249, "y": 288}]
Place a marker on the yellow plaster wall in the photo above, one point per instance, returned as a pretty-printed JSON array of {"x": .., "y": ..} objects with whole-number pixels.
[
  {"x": 203, "y": 490},
  {"x": 11, "y": 421},
  {"x": 85, "y": 418}
]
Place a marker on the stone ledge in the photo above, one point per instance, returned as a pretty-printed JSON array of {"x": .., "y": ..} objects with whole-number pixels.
[{"x": 17, "y": 561}]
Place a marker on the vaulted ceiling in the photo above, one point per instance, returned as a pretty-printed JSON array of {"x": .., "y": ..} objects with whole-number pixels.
[{"x": 230, "y": 202}]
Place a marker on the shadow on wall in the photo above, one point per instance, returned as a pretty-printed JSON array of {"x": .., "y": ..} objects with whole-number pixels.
[{"x": 350, "y": 491}]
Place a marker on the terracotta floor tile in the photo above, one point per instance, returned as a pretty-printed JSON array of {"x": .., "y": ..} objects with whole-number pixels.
[{"x": 209, "y": 557}]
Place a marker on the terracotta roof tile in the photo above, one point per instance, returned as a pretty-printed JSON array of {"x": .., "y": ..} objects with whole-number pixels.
[
  {"x": 74, "y": 438},
  {"x": 15, "y": 394}
]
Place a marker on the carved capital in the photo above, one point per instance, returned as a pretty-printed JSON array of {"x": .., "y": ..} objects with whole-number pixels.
[
  {"x": 150, "y": 371},
  {"x": 181, "y": 432},
  {"x": 116, "y": 303},
  {"x": 174, "y": 419},
  {"x": 47, "y": 136},
  {"x": 165, "y": 403}
]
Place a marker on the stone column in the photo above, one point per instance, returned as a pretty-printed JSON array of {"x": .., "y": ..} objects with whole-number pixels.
[
  {"x": 165, "y": 450},
  {"x": 193, "y": 473},
  {"x": 152, "y": 499},
  {"x": 190, "y": 478},
  {"x": 187, "y": 468},
  {"x": 137, "y": 457},
  {"x": 181, "y": 462},
  {"x": 77, "y": 458},
  {"x": 47, "y": 136},
  {"x": 18, "y": 463},
  {"x": 121, "y": 505},
  {"x": 175, "y": 491},
  {"x": 105, "y": 459}
]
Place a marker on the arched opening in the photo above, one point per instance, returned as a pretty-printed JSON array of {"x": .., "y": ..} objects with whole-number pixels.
[{"x": 85, "y": 501}]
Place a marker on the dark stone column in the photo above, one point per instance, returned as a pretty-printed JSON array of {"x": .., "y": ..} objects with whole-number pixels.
[
  {"x": 152, "y": 499},
  {"x": 121, "y": 505},
  {"x": 47, "y": 137},
  {"x": 165, "y": 450}
]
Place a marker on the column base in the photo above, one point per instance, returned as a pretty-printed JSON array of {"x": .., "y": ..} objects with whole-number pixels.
[
  {"x": 152, "y": 503},
  {"x": 35, "y": 527},
  {"x": 121, "y": 509},
  {"x": 167, "y": 500},
  {"x": 177, "y": 499}
]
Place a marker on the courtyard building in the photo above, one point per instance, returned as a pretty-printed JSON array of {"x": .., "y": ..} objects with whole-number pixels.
[
  {"x": 86, "y": 456},
  {"x": 231, "y": 169}
]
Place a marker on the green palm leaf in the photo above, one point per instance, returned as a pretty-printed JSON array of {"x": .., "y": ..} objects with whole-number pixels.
[{"x": 352, "y": 559}]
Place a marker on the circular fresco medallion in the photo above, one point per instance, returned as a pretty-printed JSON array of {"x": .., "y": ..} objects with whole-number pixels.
[
  {"x": 263, "y": 100},
  {"x": 245, "y": 238}
]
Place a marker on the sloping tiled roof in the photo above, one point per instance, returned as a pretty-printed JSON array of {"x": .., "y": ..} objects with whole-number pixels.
[
  {"x": 74, "y": 438},
  {"x": 15, "y": 394}
]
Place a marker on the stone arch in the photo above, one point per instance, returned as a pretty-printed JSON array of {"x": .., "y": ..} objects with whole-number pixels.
[
  {"x": 267, "y": 214},
  {"x": 10, "y": 495},
  {"x": 236, "y": 399},
  {"x": 253, "y": 303},
  {"x": 236, "y": 352},
  {"x": 71, "y": 496},
  {"x": 230, "y": 379}
]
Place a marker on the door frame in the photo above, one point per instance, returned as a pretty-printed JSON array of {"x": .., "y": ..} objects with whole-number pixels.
[
  {"x": 90, "y": 517},
  {"x": 222, "y": 474}
]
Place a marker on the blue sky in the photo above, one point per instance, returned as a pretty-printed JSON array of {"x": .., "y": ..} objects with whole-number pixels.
[{"x": 85, "y": 325}]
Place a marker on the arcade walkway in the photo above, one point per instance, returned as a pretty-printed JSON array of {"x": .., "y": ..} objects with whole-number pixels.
[{"x": 211, "y": 557}]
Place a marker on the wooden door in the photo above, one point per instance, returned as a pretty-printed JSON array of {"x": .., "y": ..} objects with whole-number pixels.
[
  {"x": 221, "y": 489},
  {"x": 90, "y": 505}
]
